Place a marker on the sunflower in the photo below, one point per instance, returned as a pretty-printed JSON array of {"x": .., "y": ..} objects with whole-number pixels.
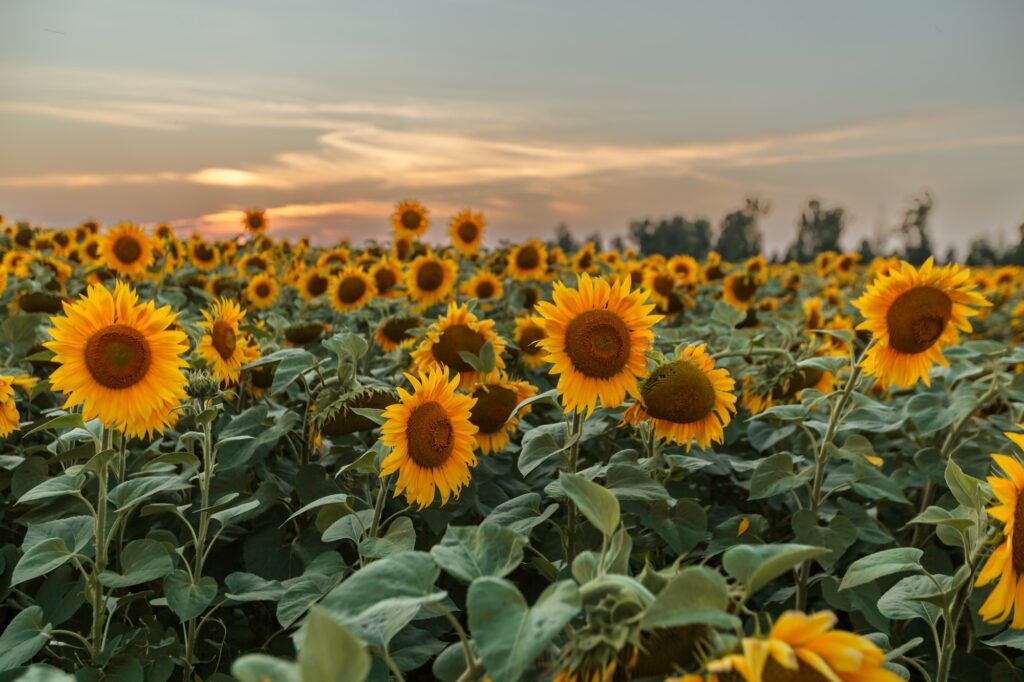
[
  {"x": 597, "y": 338},
  {"x": 687, "y": 399},
  {"x": 393, "y": 333},
  {"x": 528, "y": 335},
  {"x": 494, "y": 413},
  {"x": 812, "y": 313},
  {"x": 429, "y": 279},
  {"x": 1006, "y": 563},
  {"x": 119, "y": 359},
  {"x": 126, "y": 250},
  {"x": 912, "y": 315},
  {"x": 457, "y": 331},
  {"x": 252, "y": 264},
  {"x": 163, "y": 232},
  {"x": 756, "y": 268},
  {"x": 410, "y": 219},
  {"x": 467, "y": 230},
  {"x": 803, "y": 647},
  {"x": 432, "y": 439},
  {"x": 528, "y": 260},
  {"x": 684, "y": 268},
  {"x": 262, "y": 291},
  {"x": 823, "y": 262},
  {"x": 787, "y": 389},
  {"x": 712, "y": 269},
  {"x": 223, "y": 348},
  {"x": 387, "y": 275},
  {"x": 661, "y": 284},
  {"x": 739, "y": 290},
  {"x": 203, "y": 256},
  {"x": 254, "y": 221},
  {"x": 583, "y": 261},
  {"x": 313, "y": 284},
  {"x": 351, "y": 289},
  {"x": 485, "y": 286},
  {"x": 10, "y": 420}
]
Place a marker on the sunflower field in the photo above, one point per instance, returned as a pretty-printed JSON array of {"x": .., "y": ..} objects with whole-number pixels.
[{"x": 268, "y": 461}]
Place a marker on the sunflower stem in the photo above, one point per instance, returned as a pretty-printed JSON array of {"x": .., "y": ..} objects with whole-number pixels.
[
  {"x": 575, "y": 434},
  {"x": 100, "y": 534},
  {"x": 960, "y": 599},
  {"x": 378, "y": 507},
  {"x": 205, "y": 479}
]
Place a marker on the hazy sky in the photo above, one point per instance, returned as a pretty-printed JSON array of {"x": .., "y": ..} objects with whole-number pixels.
[{"x": 593, "y": 112}]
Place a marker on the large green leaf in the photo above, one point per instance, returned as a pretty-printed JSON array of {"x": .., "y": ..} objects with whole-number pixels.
[
  {"x": 757, "y": 565},
  {"x": 694, "y": 595},
  {"x": 508, "y": 633},
  {"x": 399, "y": 537},
  {"x": 263, "y": 668},
  {"x": 188, "y": 598},
  {"x": 59, "y": 486},
  {"x": 471, "y": 552},
  {"x": 880, "y": 564},
  {"x": 141, "y": 561},
  {"x": 40, "y": 560},
  {"x": 330, "y": 652},
  {"x": 594, "y": 501},
  {"x": 23, "y": 638}
]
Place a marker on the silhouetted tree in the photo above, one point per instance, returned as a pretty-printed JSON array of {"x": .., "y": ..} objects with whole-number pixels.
[
  {"x": 917, "y": 244},
  {"x": 564, "y": 239},
  {"x": 671, "y": 237},
  {"x": 982, "y": 253},
  {"x": 740, "y": 237},
  {"x": 819, "y": 230},
  {"x": 867, "y": 250},
  {"x": 1015, "y": 256}
]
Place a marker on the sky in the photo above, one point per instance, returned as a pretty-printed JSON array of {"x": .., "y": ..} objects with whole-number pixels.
[{"x": 534, "y": 112}]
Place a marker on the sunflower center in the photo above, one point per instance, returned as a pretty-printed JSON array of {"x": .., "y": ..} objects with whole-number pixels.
[
  {"x": 127, "y": 249},
  {"x": 678, "y": 392},
  {"x": 527, "y": 258},
  {"x": 454, "y": 340},
  {"x": 530, "y": 297},
  {"x": 1017, "y": 540},
  {"x": 351, "y": 289},
  {"x": 255, "y": 221},
  {"x": 385, "y": 279},
  {"x": 203, "y": 252},
  {"x": 430, "y": 276},
  {"x": 485, "y": 289},
  {"x": 316, "y": 285},
  {"x": 494, "y": 405},
  {"x": 224, "y": 339},
  {"x": 397, "y": 329},
  {"x": 773, "y": 672},
  {"x": 255, "y": 264},
  {"x": 92, "y": 249},
  {"x": 430, "y": 435},
  {"x": 411, "y": 220},
  {"x": 467, "y": 231},
  {"x": 585, "y": 261},
  {"x": 263, "y": 290},
  {"x": 664, "y": 284},
  {"x": 744, "y": 288},
  {"x": 598, "y": 343},
  {"x": 917, "y": 318},
  {"x": 117, "y": 356},
  {"x": 529, "y": 338}
]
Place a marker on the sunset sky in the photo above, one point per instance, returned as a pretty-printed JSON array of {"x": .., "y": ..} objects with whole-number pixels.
[{"x": 593, "y": 113}]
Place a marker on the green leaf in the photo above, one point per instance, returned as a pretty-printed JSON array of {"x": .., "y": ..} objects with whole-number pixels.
[
  {"x": 967, "y": 490},
  {"x": 227, "y": 516},
  {"x": 301, "y": 594},
  {"x": 542, "y": 443},
  {"x": 757, "y": 565},
  {"x": 65, "y": 421},
  {"x": 40, "y": 560},
  {"x": 880, "y": 564},
  {"x": 59, "y": 486},
  {"x": 400, "y": 537},
  {"x": 141, "y": 561},
  {"x": 40, "y": 672},
  {"x": 937, "y": 516},
  {"x": 595, "y": 502},
  {"x": 330, "y": 652},
  {"x": 629, "y": 482},
  {"x": 903, "y": 600},
  {"x": 186, "y": 598},
  {"x": 23, "y": 638},
  {"x": 509, "y": 635},
  {"x": 521, "y": 514},
  {"x": 775, "y": 475},
  {"x": 727, "y": 315},
  {"x": 1010, "y": 638},
  {"x": 374, "y": 414},
  {"x": 694, "y": 595},
  {"x": 134, "y": 491},
  {"x": 471, "y": 552},
  {"x": 263, "y": 668},
  {"x": 838, "y": 536}
]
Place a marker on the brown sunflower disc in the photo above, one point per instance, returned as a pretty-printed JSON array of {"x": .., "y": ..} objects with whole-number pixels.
[
  {"x": 127, "y": 249},
  {"x": 430, "y": 435},
  {"x": 351, "y": 289},
  {"x": 494, "y": 405},
  {"x": 223, "y": 339},
  {"x": 117, "y": 356},
  {"x": 598, "y": 343},
  {"x": 430, "y": 276},
  {"x": 917, "y": 318},
  {"x": 454, "y": 340},
  {"x": 678, "y": 392}
]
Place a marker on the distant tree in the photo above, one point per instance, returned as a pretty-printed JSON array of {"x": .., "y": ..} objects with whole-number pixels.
[
  {"x": 917, "y": 244},
  {"x": 618, "y": 243},
  {"x": 740, "y": 237},
  {"x": 564, "y": 239},
  {"x": 867, "y": 251},
  {"x": 1015, "y": 256},
  {"x": 597, "y": 240},
  {"x": 671, "y": 237},
  {"x": 819, "y": 230},
  {"x": 951, "y": 256},
  {"x": 982, "y": 253}
]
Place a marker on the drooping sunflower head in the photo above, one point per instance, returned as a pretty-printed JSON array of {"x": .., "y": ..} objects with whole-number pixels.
[
  {"x": 528, "y": 260},
  {"x": 458, "y": 331},
  {"x": 202, "y": 255},
  {"x": 494, "y": 413},
  {"x": 430, "y": 279},
  {"x": 333, "y": 260},
  {"x": 119, "y": 359},
  {"x": 912, "y": 315},
  {"x": 223, "y": 347},
  {"x": 254, "y": 221},
  {"x": 597, "y": 337},
  {"x": 410, "y": 219},
  {"x": 687, "y": 400},
  {"x": 262, "y": 291},
  {"x": 393, "y": 333},
  {"x": 126, "y": 250},
  {"x": 804, "y": 648},
  {"x": 813, "y": 318},
  {"x": 313, "y": 284},
  {"x": 253, "y": 264},
  {"x": 1006, "y": 563},
  {"x": 739, "y": 290},
  {"x": 432, "y": 439},
  {"x": 351, "y": 289},
  {"x": 528, "y": 335},
  {"x": 484, "y": 286},
  {"x": 387, "y": 276},
  {"x": 467, "y": 230}
]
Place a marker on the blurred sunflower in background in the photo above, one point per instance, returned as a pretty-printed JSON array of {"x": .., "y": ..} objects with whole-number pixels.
[
  {"x": 739, "y": 290},
  {"x": 494, "y": 412},
  {"x": 529, "y": 333},
  {"x": 202, "y": 255},
  {"x": 598, "y": 335},
  {"x": 528, "y": 260},
  {"x": 222, "y": 347},
  {"x": 262, "y": 291},
  {"x": 467, "y": 231},
  {"x": 10, "y": 420},
  {"x": 683, "y": 268},
  {"x": 387, "y": 276},
  {"x": 126, "y": 250},
  {"x": 254, "y": 221},
  {"x": 410, "y": 219},
  {"x": 351, "y": 289},
  {"x": 484, "y": 286},
  {"x": 912, "y": 315},
  {"x": 686, "y": 400},
  {"x": 430, "y": 279},
  {"x": 393, "y": 333},
  {"x": 119, "y": 359},
  {"x": 432, "y": 439},
  {"x": 313, "y": 284},
  {"x": 457, "y": 331}
]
